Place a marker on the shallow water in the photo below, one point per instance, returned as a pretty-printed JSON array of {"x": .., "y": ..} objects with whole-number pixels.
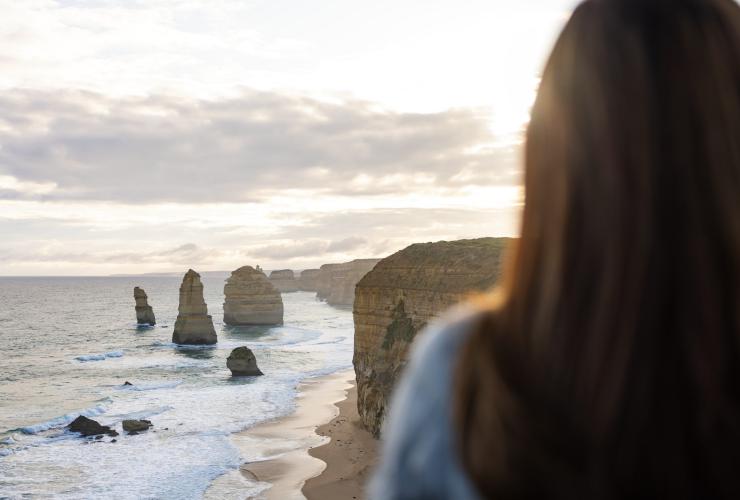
[{"x": 67, "y": 345}]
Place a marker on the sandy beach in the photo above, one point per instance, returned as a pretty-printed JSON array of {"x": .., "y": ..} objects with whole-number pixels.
[
  {"x": 350, "y": 455},
  {"x": 319, "y": 445}
]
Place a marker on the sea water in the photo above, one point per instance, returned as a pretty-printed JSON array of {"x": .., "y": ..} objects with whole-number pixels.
[{"x": 68, "y": 345}]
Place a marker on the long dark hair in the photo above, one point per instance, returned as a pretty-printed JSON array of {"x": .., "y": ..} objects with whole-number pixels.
[{"x": 610, "y": 366}]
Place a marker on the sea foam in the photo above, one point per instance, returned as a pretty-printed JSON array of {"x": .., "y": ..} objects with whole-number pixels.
[
  {"x": 63, "y": 420},
  {"x": 99, "y": 357}
]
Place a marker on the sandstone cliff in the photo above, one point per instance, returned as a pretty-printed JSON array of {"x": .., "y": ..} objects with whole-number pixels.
[
  {"x": 399, "y": 297},
  {"x": 336, "y": 282},
  {"x": 284, "y": 280},
  {"x": 250, "y": 299},
  {"x": 308, "y": 279},
  {"x": 193, "y": 324},
  {"x": 144, "y": 312}
]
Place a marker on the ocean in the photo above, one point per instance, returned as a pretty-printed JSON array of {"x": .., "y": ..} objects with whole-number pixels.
[{"x": 68, "y": 345}]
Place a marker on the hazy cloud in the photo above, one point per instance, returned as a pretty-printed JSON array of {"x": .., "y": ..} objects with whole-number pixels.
[
  {"x": 311, "y": 248},
  {"x": 85, "y": 146}
]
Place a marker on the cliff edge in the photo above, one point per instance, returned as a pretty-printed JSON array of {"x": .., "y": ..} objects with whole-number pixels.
[{"x": 395, "y": 300}]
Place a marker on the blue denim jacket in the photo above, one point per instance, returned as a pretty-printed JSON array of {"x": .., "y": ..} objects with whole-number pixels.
[{"x": 419, "y": 459}]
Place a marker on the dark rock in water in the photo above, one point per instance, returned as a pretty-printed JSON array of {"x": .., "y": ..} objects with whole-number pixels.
[
  {"x": 136, "y": 426},
  {"x": 114, "y": 440},
  {"x": 242, "y": 362},
  {"x": 127, "y": 383},
  {"x": 89, "y": 427}
]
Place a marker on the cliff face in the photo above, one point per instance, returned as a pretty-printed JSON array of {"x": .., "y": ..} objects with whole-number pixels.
[
  {"x": 398, "y": 298},
  {"x": 284, "y": 280},
  {"x": 308, "y": 279},
  {"x": 336, "y": 283},
  {"x": 251, "y": 299}
]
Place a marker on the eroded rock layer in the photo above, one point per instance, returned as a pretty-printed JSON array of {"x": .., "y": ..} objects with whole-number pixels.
[
  {"x": 336, "y": 283},
  {"x": 251, "y": 299},
  {"x": 398, "y": 298},
  {"x": 144, "y": 312},
  {"x": 284, "y": 280},
  {"x": 193, "y": 324}
]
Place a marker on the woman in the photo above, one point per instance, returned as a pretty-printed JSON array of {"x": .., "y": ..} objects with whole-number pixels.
[{"x": 608, "y": 366}]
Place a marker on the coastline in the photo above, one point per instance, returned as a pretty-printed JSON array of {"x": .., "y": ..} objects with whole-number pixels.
[
  {"x": 350, "y": 455},
  {"x": 287, "y": 441}
]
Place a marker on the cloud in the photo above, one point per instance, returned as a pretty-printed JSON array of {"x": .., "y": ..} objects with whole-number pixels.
[
  {"x": 346, "y": 245},
  {"x": 75, "y": 145},
  {"x": 188, "y": 254},
  {"x": 311, "y": 248}
]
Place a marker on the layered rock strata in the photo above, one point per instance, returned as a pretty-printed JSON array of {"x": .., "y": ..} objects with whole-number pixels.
[
  {"x": 336, "y": 283},
  {"x": 251, "y": 299},
  {"x": 399, "y": 297},
  {"x": 308, "y": 280},
  {"x": 284, "y": 280},
  {"x": 243, "y": 363},
  {"x": 193, "y": 324},
  {"x": 144, "y": 312}
]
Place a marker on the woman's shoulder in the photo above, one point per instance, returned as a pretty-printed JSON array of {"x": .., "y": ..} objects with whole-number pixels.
[
  {"x": 420, "y": 459},
  {"x": 435, "y": 351}
]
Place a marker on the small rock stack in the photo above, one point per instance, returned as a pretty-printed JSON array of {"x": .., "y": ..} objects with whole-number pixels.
[
  {"x": 144, "y": 312},
  {"x": 242, "y": 363},
  {"x": 193, "y": 325},
  {"x": 250, "y": 299}
]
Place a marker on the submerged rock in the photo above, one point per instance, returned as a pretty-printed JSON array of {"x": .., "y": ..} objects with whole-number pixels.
[
  {"x": 284, "y": 280},
  {"x": 251, "y": 299},
  {"x": 242, "y": 362},
  {"x": 136, "y": 426},
  {"x": 89, "y": 427},
  {"x": 193, "y": 325},
  {"x": 144, "y": 312}
]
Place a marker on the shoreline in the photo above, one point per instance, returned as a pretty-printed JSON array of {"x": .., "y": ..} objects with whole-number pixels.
[
  {"x": 285, "y": 443},
  {"x": 317, "y": 452},
  {"x": 351, "y": 455}
]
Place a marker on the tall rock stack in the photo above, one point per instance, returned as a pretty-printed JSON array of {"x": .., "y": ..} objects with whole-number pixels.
[
  {"x": 336, "y": 282},
  {"x": 284, "y": 280},
  {"x": 399, "y": 297},
  {"x": 193, "y": 325},
  {"x": 308, "y": 280},
  {"x": 251, "y": 299},
  {"x": 144, "y": 312}
]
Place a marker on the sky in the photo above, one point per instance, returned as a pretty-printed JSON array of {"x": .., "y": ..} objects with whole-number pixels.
[{"x": 155, "y": 135}]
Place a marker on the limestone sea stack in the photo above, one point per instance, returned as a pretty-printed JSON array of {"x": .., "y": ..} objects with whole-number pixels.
[
  {"x": 308, "y": 280},
  {"x": 193, "y": 325},
  {"x": 284, "y": 280},
  {"x": 399, "y": 297},
  {"x": 243, "y": 363},
  {"x": 336, "y": 283},
  {"x": 251, "y": 299},
  {"x": 144, "y": 312}
]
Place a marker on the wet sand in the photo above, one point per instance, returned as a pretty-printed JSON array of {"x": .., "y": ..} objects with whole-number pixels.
[
  {"x": 350, "y": 455},
  {"x": 320, "y": 445}
]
